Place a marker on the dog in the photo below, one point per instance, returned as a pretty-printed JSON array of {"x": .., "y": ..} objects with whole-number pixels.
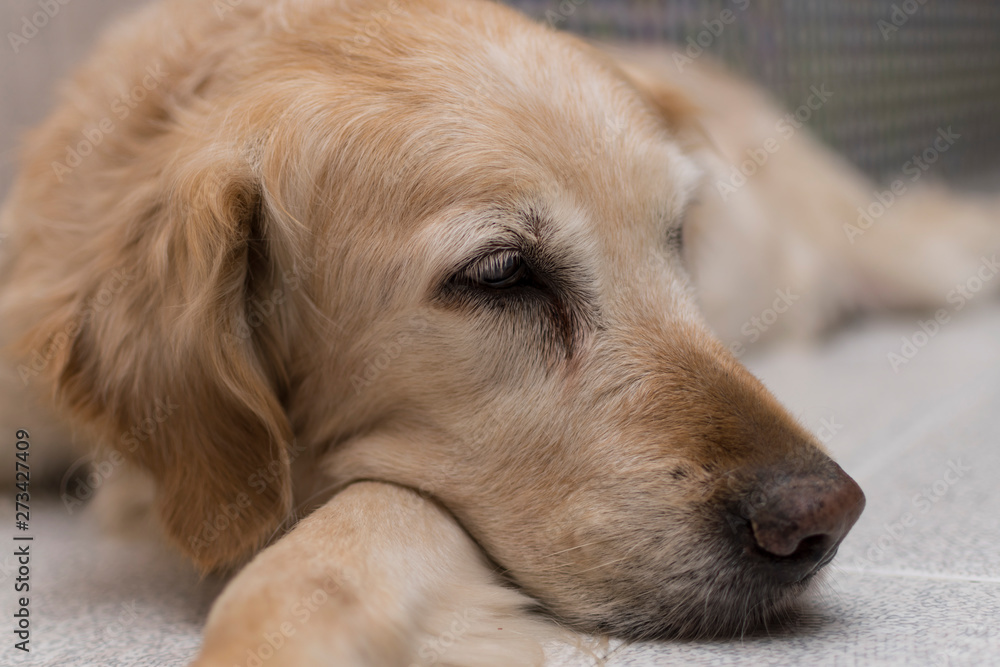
[{"x": 423, "y": 318}]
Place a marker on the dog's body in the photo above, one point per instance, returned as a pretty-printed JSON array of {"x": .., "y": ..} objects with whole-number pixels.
[{"x": 423, "y": 282}]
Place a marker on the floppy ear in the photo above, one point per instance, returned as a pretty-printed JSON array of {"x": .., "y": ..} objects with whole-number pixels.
[
  {"x": 679, "y": 112},
  {"x": 155, "y": 348}
]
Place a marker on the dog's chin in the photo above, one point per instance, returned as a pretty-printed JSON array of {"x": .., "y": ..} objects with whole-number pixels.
[
  {"x": 733, "y": 609},
  {"x": 737, "y": 599}
]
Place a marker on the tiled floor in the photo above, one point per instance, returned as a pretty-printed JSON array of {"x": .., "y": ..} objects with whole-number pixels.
[{"x": 917, "y": 581}]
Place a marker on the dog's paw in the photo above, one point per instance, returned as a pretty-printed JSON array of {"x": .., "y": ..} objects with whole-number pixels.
[
  {"x": 478, "y": 623},
  {"x": 378, "y": 576},
  {"x": 932, "y": 248}
]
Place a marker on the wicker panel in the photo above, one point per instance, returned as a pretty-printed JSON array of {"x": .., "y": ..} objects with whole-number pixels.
[{"x": 899, "y": 69}]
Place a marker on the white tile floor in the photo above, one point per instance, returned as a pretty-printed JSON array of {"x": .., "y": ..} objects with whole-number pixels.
[{"x": 917, "y": 581}]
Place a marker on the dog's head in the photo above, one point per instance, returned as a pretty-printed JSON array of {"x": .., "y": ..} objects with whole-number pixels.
[{"x": 443, "y": 247}]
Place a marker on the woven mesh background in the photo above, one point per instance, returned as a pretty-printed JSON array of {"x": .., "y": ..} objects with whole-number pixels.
[{"x": 899, "y": 69}]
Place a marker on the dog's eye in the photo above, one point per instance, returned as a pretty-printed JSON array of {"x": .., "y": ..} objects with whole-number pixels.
[
  {"x": 675, "y": 239},
  {"x": 498, "y": 270}
]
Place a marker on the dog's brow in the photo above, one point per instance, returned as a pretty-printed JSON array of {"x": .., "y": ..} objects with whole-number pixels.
[
  {"x": 513, "y": 225},
  {"x": 533, "y": 220}
]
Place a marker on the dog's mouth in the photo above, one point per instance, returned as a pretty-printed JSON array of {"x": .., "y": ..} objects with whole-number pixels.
[
  {"x": 799, "y": 567},
  {"x": 733, "y": 601},
  {"x": 746, "y": 570},
  {"x": 741, "y": 597},
  {"x": 803, "y": 567}
]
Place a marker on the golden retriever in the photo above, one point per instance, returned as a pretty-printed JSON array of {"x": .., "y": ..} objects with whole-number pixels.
[{"x": 424, "y": 275}]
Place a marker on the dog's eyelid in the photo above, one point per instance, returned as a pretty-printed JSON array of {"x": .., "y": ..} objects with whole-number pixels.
[
  {"x": 675, "y": 223},
  {"x": 675, "y": 236},
  {"x": 512, "y": 245},
  {"x": 498, "y": 270}
]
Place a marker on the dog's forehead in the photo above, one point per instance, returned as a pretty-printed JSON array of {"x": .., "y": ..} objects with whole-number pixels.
[
  {"x": 552, "y": 103},
  {"x": 469, "y": 103},
  {"x": 483, "y": 104}
]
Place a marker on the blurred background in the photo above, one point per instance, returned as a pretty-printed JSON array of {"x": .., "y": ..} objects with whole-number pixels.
[{"x": 899, "y": 69}]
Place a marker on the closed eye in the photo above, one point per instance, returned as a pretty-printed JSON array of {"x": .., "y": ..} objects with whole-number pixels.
[
  {"x": 539, "y": 291},
  {"x": 675, "y": 239},
  {"x": 501, "y": 269}
]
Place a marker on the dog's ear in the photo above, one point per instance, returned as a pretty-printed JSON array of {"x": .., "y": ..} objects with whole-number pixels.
[
  {"x": 161, "y": 347},
  {"x": 679, "y": 112}
]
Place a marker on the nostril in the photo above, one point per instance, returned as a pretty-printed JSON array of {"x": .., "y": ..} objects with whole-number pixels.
[
  {"x": 787, "y": 538},
  {"x": 811, "y": 547},
  {"x": 803, "y": 518}
]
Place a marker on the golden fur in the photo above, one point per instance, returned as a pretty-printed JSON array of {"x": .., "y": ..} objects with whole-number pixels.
[{"x": 268, "y": 242}]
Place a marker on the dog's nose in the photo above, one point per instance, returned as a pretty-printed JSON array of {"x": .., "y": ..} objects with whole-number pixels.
[{"x": 803, "y": 518}]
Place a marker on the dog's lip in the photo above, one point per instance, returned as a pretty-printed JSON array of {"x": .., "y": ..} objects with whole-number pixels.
[
  {"x": 826, "y": 560},
  {"x": 788, "y": 570}
]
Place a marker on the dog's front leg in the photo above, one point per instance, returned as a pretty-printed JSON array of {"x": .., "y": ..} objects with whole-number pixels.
[{"x": 377, "y": 576}]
